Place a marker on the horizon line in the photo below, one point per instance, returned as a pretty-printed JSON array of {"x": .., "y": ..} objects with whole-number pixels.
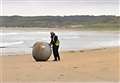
[{"x": 57, "y": 15}]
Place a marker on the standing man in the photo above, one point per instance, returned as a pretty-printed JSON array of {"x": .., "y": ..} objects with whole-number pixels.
[{"x": 55, "y": 46}]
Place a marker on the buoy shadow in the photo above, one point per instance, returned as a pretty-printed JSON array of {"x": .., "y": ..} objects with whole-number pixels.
[{"x": 46, "y": 61}]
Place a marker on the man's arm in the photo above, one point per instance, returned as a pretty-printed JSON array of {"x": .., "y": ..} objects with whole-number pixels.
[{"x": 51, "y": 42}]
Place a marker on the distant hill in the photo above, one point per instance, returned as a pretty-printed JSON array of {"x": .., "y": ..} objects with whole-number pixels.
[{"x": 61, "y": 21}]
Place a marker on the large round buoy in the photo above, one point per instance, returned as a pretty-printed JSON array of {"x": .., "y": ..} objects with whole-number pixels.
[{"x": 41, "y": 51}]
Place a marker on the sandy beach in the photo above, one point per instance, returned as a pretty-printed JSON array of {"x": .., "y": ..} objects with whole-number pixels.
[{"x": 95, "y": 65}]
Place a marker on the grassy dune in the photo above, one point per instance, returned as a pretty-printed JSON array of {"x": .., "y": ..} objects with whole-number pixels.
[{"x": 59, "y": 22}]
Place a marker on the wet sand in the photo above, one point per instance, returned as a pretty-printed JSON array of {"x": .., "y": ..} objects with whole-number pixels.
[{"x": 95, "y": 65}]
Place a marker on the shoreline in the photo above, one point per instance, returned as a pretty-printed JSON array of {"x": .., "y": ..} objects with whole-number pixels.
[
  {"x": 93, "y": 65},
  {"x": 62, "y": 51},
  {"x": 31, "y": 29}
]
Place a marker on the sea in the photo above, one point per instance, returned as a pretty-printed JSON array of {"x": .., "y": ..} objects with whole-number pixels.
[{"x": 17, "y": 42}]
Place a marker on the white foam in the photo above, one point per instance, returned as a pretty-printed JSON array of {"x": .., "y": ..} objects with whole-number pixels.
[
  {"x": 5, "y": 44},
  {"x": 4, "y": 33}
]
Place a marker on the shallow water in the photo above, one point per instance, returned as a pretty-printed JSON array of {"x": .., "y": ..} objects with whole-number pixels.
[{"x": 21, "y": 41}]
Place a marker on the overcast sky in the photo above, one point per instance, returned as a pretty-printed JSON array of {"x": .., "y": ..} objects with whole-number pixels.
[{"x": 59, "y": 7}]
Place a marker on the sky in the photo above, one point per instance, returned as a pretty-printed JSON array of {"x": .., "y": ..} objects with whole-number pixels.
[{"x": 59, "y": 7}]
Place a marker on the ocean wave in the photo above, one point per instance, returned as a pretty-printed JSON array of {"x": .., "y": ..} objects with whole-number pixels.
[
  {"x": 6, "y": 44},
  {"x": 4, "y": 33}
]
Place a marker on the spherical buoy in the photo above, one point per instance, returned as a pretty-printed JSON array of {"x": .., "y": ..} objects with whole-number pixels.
[{"x": 41, "y": 51}]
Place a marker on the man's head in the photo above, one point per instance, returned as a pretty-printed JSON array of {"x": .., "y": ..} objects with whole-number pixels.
[{"x": 52, "y": 33}]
